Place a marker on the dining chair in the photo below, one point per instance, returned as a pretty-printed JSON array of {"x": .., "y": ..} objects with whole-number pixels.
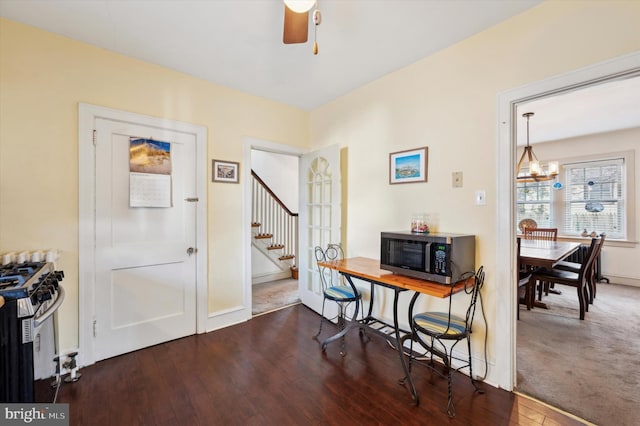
[
  {"x": 438, "y": 333},
  {"x": 573, "y": 279},
  {"x": 592, "y": 279},
  {"x": 524, "y": 273},
  {"x": 336, "y": 289},
  {"x": 549, "y": 234},
  {"x": 546, "y": 234}
]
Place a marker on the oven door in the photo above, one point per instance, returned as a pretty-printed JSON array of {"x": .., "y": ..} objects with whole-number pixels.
[{"x": 16, "y": 357}]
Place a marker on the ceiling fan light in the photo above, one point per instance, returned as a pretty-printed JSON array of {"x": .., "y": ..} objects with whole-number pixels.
[{"x": 299, "y": 6}]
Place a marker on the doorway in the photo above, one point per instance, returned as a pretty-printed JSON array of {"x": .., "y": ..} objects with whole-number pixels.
[
  {"x": 505, "y": 200},
  {"x": 282, "y": 293},
  {"x": 559, "y": 358},
  {"x": 274, "y": 242}
]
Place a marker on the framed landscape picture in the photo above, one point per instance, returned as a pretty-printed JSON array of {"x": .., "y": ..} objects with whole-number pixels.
[
  {"x": 408, "y": 166},
  {"x": 226, "y": 171}
]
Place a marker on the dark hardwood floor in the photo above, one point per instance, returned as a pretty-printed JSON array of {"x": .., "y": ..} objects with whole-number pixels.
[{"x": 269, "y": 371}]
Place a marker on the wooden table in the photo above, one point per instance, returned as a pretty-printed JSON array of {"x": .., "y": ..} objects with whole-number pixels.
[
  {"x": 546, "y": 254},
  {"x": 367, "y": 269}
]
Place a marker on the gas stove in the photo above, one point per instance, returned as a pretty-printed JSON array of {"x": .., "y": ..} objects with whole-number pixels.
[{"x": 31, "y": 294}]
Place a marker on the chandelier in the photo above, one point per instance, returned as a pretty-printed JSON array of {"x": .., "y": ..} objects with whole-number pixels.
[{"x": 536, "y": 172}]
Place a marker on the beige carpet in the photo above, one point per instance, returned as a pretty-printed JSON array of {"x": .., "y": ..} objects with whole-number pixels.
[
  {"x": 589, "y": 368},
  {"x": 274, "y": 295}
]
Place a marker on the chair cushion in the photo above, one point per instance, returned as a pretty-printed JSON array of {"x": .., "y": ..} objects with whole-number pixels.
[
  {"x": 568, "y": 266},
  {"x": 436, "y": 323},
  {"x": 340, "y": 292},
  {"x": 552, "y": 274}
]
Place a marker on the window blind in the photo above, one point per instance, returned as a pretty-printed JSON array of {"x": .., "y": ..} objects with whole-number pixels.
[{"x": 594, "y": 198}]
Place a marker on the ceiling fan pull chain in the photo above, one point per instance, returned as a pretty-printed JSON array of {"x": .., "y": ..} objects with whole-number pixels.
[{"x": 317, "y": 18}]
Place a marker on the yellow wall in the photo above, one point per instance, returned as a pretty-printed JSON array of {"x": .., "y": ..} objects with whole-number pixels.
[
  {"x": 448, "y": 102},
  {"x": 43, "y": 77}
]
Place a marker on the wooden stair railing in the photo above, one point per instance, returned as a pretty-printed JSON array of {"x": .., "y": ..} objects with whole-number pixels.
[{"x": 274, "y": 219}]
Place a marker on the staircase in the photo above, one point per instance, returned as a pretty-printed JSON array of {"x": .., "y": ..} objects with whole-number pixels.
[{"x": 274, "y": 231}]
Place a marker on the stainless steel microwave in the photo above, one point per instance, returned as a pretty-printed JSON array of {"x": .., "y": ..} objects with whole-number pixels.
[{"x": 440, "y": 257}]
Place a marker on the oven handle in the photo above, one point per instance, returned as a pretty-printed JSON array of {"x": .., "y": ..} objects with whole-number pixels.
[{"x": 42, "y": 318}]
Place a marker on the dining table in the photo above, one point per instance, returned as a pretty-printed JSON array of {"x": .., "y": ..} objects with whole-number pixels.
[{"x": 545, "y": 254}]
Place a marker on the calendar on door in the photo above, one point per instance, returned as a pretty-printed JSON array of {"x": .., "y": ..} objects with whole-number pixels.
[{"x": 149, "y": 173}]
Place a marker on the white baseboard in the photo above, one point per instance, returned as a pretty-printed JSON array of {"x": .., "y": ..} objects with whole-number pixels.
[
  {"x": 258, "y": 279},
  {"x": 227, "y": 318},
  {"x": 633, "y": 282}
]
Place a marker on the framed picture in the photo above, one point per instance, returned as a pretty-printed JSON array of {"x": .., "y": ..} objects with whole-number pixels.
[
  {"x": 226, "y": 171},
  {"x": 408, "y": 166}
]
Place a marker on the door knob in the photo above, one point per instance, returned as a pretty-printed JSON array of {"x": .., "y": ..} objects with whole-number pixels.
[{"x": 191, "y": 250}]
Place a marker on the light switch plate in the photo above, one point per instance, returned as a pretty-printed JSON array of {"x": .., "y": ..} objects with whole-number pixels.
[
  {"x": 481, "y": 197},
  {"x": 456, "y": 179}
]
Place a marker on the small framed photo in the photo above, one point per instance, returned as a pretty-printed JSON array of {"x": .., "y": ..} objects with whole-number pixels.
[
  {"x": 408, "y": 166},
  {"x": 225, "y": 171}
]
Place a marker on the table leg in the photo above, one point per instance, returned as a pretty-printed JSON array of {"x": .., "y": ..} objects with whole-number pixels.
[{"x": 407, "y": 375}]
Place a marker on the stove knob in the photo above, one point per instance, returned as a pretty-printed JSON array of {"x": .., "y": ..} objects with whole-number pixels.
[
  {"x": 51, "y": 288},
  {"x": 51, "y": 282},
  {"x": 59, "y": 275},
  {"x": 44, "y": 295}
]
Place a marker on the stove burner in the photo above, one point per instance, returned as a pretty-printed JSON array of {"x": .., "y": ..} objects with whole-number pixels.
[
  {"x": 11, "y": 280},
  {"x": 21, "y": 280}
]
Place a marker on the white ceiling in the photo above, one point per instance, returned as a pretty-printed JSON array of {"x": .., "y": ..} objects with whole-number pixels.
[
  {"x": 600, "y": 108},
  {"x": 238, "y": 44}
]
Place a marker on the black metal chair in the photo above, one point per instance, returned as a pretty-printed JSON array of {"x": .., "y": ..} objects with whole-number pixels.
[
  {"x": 336, "y": 289},
  {"x": 573, "y": 279},
  {"x": 438, "y": 333}
]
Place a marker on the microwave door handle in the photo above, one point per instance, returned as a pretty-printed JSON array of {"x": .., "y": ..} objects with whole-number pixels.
[{"x": 427, "y": 257}]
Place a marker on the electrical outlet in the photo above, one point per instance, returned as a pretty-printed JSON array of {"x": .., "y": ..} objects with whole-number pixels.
[
  {"x": 456, "y": 179},
  {"x": 481, "y": 197}
]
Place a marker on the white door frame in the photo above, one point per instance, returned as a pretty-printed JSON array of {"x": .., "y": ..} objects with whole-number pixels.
[
  {"x": 505, "y": 276},
  {"x": 247, "y": 145},
  {"x": 87, "y": 114}
]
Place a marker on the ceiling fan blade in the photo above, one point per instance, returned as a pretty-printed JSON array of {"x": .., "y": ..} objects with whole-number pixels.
[{"x": 296, "y": 27}]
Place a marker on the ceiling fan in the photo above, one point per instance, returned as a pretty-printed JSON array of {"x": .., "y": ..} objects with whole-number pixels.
[{"x": 296, "y": 22}]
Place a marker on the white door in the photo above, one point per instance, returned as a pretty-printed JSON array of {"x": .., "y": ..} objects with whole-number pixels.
[
  {"x": 145, "y": 271},
  {"x": 319, "y": 217}
]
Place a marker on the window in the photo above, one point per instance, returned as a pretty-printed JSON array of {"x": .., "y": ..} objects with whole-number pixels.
[
  {"x": 534, "y": 202},
  {"x": 595, "y": 195},
  {"x": 594, "y": 198}
]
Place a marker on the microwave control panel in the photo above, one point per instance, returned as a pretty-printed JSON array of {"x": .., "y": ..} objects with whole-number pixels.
[{"x": 440, "y": 260}]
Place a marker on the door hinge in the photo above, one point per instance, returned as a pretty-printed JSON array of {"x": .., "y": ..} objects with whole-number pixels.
[
  {"x": 192, "y": 199},
  {"x": 94, "y": 136},
  {"x": 95, "y": 328}
]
